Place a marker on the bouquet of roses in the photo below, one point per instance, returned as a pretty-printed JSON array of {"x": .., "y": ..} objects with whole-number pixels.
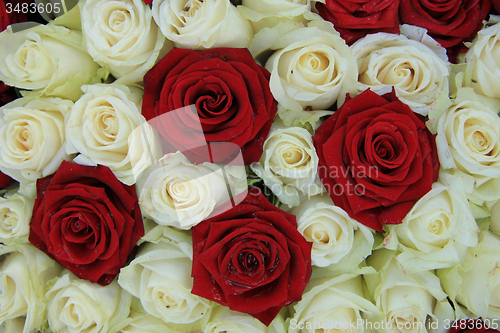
[{"x": 263, "y": 166}]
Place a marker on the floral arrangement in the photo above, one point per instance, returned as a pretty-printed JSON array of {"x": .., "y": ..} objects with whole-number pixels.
[{"x": 255, "y": 166}]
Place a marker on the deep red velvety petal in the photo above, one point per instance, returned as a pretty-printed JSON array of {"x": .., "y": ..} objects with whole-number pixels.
[
  {"x": 251, "y": 258},
  {"x": 381, "y": 133},
  {"x": 87, "y": 220}
]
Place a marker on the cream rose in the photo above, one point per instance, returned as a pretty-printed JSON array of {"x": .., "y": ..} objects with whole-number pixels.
[
  {"x": 268, "y": 13},
  {"x": 435, "y": 233},
  {"x": 348, "y": 313},
  {"x": 469, "y": 137},
  {"x": 482, "y": 62},
  {"x": 202, "y": 24},
  {"x": 417, "y": 72},
  {"x": 122, "y": 35},
  {"x": 15, "y": 217},
  {"x": 32, "y": 143},
  {"x": 474, "y": 285},
  {"x": 144, "y": 323},
  {"x": 106, "y": 127},
  {"x": 76, "y": 305},
  {"x": 289, "y": 164},
  {"x": 177, "y": 193},
  {"x": 48, "y": 59},
  {"x": 224, "y": 320},
  {"x": 408, "y": 302},
  {"x": 312, "y": 66},
  {"x": 23, "y": 283},
  {"x": 338, "y": 240},
  {"x": 160, "y": 276}
]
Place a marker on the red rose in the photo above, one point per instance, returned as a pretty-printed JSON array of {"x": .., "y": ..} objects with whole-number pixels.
[
  {"x": 471, "y": 326},
  {"x": 86, "y": 220},
  {"x": 376, "y": 158},
  {"x": 232, "y": 98},
  {"x": 354, "y": 19},
  {"x": 9, "y": 15},
  {"x": 251, "y": 258},
  {"x": 5, "y": 180},
  {"x": 448, "y": 22}
]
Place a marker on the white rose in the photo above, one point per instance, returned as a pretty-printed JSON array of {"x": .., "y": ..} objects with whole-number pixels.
[
  {"x": 202, "y": 24},
  {"x": 76, "y": 305},
  {"x": 15, "y": 217},
  {"x": 469, "y": 136},
  {"x": 32, "y": 143},
  {"x": 224, "y": 320},
  {"x": 316, "y": 311},
  {"x": 177, "y": 193},
  {"x": 337, "y": 239},
  {"x": 495, "y": 218},
  {"x": 408, "y": 302},
  {"x": 122, "y": 36},
  {"x": 106, "y": 127},
  {"x": 417, "y": 73},
  {"x": 435, "y": 233},
  {"x": 482, "y": 71},
  {"x": 23, "y": 283},
  {"x": 160, "y": 276},
  {"x": 475, "y": 284},
  {"x": 289, "y": 164},
  {"x": 144, "y": 323},
  {"x": 48, "y": 59},
  {"x": 268, "y": 13},
  {"x": 312, "y": 67}
]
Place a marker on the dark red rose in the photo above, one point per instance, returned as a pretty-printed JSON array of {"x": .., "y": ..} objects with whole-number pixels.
[
  {"x": 5, "y": 180},
  {"x": 471, "y": 326},
  {"x": 354, "y": 19},
  {"x": 231, "y": 98},
  {"x": 376, "y": 158},
  {"x": 251, "y": 258},
  {"x": 496, "y": 6},
  {"x": 9, "y": 14},
  {"x": 448, "y": 22},
  {"x": 86, "y": 220}
]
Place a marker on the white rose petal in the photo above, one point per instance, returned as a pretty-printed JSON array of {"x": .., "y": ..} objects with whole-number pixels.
[
  {"x": 145, "y": 323},
  {"x": 338, "y": 240},
  {"x": 160, "y": 276},
  {"x": 289, "y": 164},
  {"x": 106, "y": 127},
  {"x": 482, "y": 65},
  {"x": 469, "y": 138},
  {"x": 416, "y": 72},
  {"x": 224, "y": 320},
  {"x": 408, "y": 302},
  {"x": 122, "y": 35},
  {"x": 76, "y": 305},
  {"x": 23, "y": 283},
  {"x": 176, "y": 193},
  {"x": 202, "y": 24},
  {"x": 351, "y": 307},
  {"x": 32, "y": 143},
  {"x": 312, "y": 67},
  {"x": 268, "y": 13},
  {"x": 475, "y": 284},
  {"x": 48, "y": 59},
  {"x": 15, "y": 217},
  {"x": 436, "y": 232}
]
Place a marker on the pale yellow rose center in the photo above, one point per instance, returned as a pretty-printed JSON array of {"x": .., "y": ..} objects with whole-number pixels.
[
  {"x": 480, "y": 139},
  {"x": 314, "y": 67},
  {"x": 118, "y": 20},
  {"x": 191, "y": 8},
  {"x": 22, "y": 141},
  {"x": 8, "y": 219}
]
